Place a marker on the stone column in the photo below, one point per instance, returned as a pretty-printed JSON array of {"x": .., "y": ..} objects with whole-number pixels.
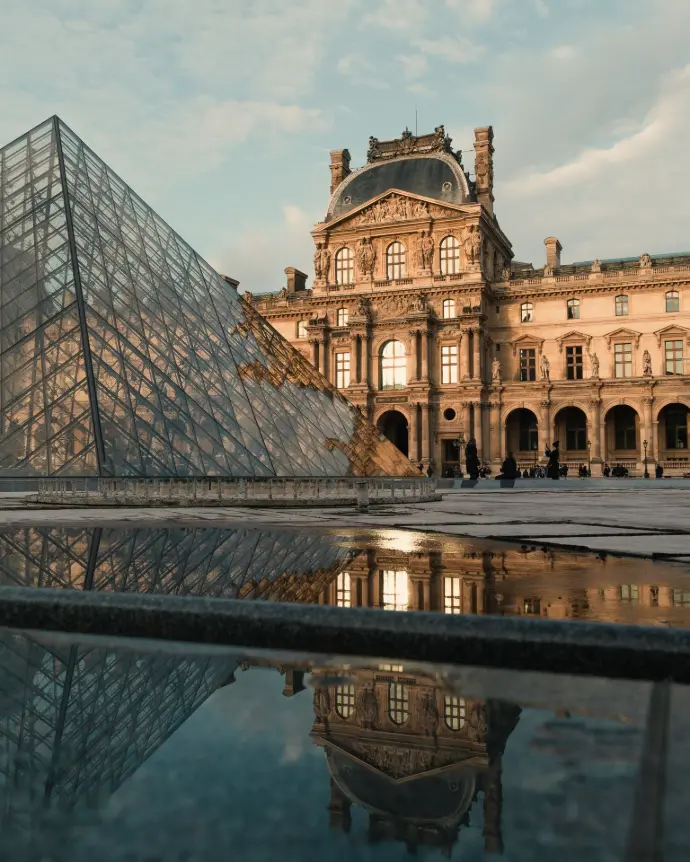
[
  {"x": 464, "y": 354},
  {"x": 413, "y": 433},
  {"x": 495, "y": 430},
  {"x": 357, "y": 358},
  {"x": 484, "y": 413},
  {"x": 458, "y": 335},
  {"x": 648, "y": 430},
  {"x": 425, "y": 354},
  {"x": 544, "y": 427},
  {"x": 426, "y": 453},
  {"x": 594, "y": 433},
  {"x": 478, "y": 364},
  {"x": 371, "y": 374},
  {"x": 322, "y": 357},
  {"x": 413, "y": 368},
  {"x": 314, "y": 352},
  {"x": 465, "y": 423}
]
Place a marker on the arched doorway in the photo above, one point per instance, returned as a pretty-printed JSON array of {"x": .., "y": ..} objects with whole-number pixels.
[
  {"x": 393, "y": 425},
  {"x": 570, "y": 429},
  {"x": 622, "y": 435},
  {"x": 673, "y": 433},
  {"x": 522, "y": 435}
]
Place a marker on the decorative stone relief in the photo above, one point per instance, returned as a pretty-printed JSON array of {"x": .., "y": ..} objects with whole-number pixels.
[
  {"x": 496, "y": 371},
  {"x": 366, "y": 256},
  {"x": 472, "y": 244},
  {"x": 596, "y": 265},
  {"x": 645, "y": 261},
  {"x": 594, "y": 360},
  {"x": 647, "y": 364},
  {"x": 425, "y": 250},
  {"x": 545, "y": 367}
]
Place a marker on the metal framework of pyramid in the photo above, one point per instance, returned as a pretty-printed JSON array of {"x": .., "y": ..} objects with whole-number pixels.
[{"x": 123, "y": 353}]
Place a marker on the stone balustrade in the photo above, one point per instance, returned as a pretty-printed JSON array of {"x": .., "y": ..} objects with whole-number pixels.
[{"x": 287, "y": 492}]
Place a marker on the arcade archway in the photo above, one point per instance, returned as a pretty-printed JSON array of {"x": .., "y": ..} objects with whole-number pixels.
[
  {"x": 393, "y": 425},
  {"x": 570, "y": 429},
  {"x": 522, "y": 434}
]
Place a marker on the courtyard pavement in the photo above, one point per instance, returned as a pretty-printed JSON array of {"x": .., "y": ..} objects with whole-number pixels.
[{"x": 635, "y": 517}]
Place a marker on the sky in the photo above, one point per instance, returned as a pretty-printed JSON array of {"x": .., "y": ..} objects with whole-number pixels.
[{"x": 221, "y": 113}]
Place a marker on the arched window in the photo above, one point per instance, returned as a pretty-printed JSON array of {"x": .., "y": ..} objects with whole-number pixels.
[
  {"x": 672, "y": 301},
  {"x": 393, "y": 366},
  {"x": 450, "y": 256},
  {"x": 345, "y": 700},
  {"x": 343, "y": 316},
  {"x": 344, "y": 266},
  {"x": 398, "y": 703},
  {"x": 454, "y": 712},
  {"x": 302, "y": 329},
  {"x": 448, "y": 308},
  {"x": 621, "y": 306},
  {"x": 573, "y": 309},
  {"x": 396, "y": 265},
  {"x": 526, "y": 312}
]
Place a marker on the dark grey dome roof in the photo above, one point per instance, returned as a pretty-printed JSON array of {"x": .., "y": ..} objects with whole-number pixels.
[
  {"x": 436, "y": 177},
  {"x": 426, "y": 799}
]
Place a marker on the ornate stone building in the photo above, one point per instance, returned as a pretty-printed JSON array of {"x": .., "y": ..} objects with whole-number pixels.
[{"x": 421, "y": 314}]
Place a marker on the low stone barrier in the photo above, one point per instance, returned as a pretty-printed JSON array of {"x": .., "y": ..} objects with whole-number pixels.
[{"x": 289, "y": 492}]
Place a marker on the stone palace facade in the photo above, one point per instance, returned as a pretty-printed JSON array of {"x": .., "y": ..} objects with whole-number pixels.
[{"x": 421, "y": 315}]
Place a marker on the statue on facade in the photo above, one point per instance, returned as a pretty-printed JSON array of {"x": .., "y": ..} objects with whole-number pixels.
[
  {"x": 318, "y": 262},
  {"x": 425, "y": 250},
  {"x": 419, "y": 303},
  {"x": 283, "y": 293},
  {"x": 322, "y": 704},
  {"x": 647, "y": 364},
  {"x": 496, "y": 371},
  {"x": 248, "y": 296},
  {"x": 596, "y": 265},
  {"x": 373, "y": 152},
  {"x": 472, "y": 244},
  {"x": 645, "y": 260},
  {"x": 545, "y": 367},
  {"x": 366, "y": 256},
  {"x": 594, "y": 359},
  {"x": 363, "y": 308},
  {"x": 548, "y": 271}
]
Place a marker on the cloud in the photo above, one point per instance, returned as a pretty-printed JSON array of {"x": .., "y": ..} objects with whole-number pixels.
[
  {"x": 541, "y": 7},
  {"x": 455, "y": 50},
  {"x": 258, "y": 255},
  {"x": 414, "y": 65},
  {"x": 473, "y": 10},
  {"x": 360, "y": 71},
  {"x": 399, "y": 15},
  {"x": 564, "y": 52}
]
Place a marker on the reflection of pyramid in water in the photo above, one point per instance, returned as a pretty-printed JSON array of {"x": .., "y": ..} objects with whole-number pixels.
[{"x": 123, "y": 353}]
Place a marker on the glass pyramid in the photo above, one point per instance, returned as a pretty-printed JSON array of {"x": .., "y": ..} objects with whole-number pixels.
[{"x": 123, "y": 353}]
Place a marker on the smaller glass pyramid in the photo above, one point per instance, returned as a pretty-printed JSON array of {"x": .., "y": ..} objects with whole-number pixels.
[{"x": 123, "y": 353}]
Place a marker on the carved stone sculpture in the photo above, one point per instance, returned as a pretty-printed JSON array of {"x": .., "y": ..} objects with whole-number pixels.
[
  {"x": 363, "y": 308},
  {"x": 545, "y": 367},
  {"x": 425, "y": 250},
  {"x": 248, "y": 296},
  {"x": 368, "y": 708},
  {"x": 430, "y": 715},
  {"x": 318, "y": 271},
  {"x": 548, "y": 271},
  {"x": 596, "y": 265},
  {"x": 647, "y": 364},
  {"x": 373, "y": 151},
  {"x": 325, "y": 261},
  {"x": 496, "y": 371},
  {"x": 472, "y": 244},
  {"x": 594, "y": 359},
  {"x": 506, "y": 273},
  {"x": 366, "y": 256},
  {"x": 322, "y": 704},
  {"x": 392, "y": 208},
  {"x": 419, "y": 303},
  {"x": 645, "y": 260}
]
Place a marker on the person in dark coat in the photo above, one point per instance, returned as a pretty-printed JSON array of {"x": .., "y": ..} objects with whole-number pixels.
[
  {"x": 553, "y": 467},
  {"x": 430, "y": 471},
  {"x": 472, "y": 459},
  {"x": 509, "y": 468}
]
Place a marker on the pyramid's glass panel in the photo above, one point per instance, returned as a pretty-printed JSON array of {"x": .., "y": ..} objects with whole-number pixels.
[{"x": 123, "y": 353}]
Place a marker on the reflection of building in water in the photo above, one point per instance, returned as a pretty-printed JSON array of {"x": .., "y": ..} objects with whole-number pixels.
[
  {"x": 76, "y": 721},
  {"x": 414, "y": 755},
  {"x": 464, "y": 578},
  {"x": 181, "y": 560}
]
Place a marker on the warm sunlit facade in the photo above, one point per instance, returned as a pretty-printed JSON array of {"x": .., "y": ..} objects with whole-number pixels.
[{"x": 446, "y": 336}]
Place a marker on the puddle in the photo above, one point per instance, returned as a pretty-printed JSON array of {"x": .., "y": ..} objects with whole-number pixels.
[
  {"x": 391, "y": 569},
  {"x": 116, "y": 750}
]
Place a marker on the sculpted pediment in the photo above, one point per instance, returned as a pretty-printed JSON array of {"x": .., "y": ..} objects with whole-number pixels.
[
  {"x": 673, "y": 331},
  {"x": 573, "y": 335},
  {"x": 622, "y": 333},
  {"x": 393, "y": 207}
]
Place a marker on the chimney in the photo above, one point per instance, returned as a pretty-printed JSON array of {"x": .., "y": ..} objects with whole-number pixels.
[
  {"x": 340, "y": 167},
  {"x": 553, "y": 252},
  {"x": 484, "y": 166},
  {"x": 233, "y": 282},
  {"x": 296, "y": 280}
]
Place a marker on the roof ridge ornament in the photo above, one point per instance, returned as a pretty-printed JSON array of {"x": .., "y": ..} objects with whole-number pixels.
[{"x": 408, "y": 144}]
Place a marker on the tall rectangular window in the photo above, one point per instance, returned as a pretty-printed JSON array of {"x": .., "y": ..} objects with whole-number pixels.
[
  {"x": 395, "y": 591},
  {"x": 622, "y": 360},
  {"x": 449, "y": 363},
  {"x": 621, "y": 306},
  {"x": 343, "y": 597},
  {"x": 342, "y": 370},
  {"x": 573, "y": 362},
  {"x": 302, "y": 329},
  {"x": 452, "y": 595},
  {"x": 674, "y": 356},
  {"x": 528, "y": 363}
]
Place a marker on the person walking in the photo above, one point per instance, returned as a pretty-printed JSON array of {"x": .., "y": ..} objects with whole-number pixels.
[
  {"x": 553, "y": 468},
  {"x": 472, "y": 459}
]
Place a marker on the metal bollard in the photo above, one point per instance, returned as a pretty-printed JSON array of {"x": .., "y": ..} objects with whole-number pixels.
[{"x": 362, "y": 489}]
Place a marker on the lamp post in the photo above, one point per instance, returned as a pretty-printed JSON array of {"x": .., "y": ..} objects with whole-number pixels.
[
  {"x": 646, "y": 471},
  {"x": 589, "y": 457}
]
